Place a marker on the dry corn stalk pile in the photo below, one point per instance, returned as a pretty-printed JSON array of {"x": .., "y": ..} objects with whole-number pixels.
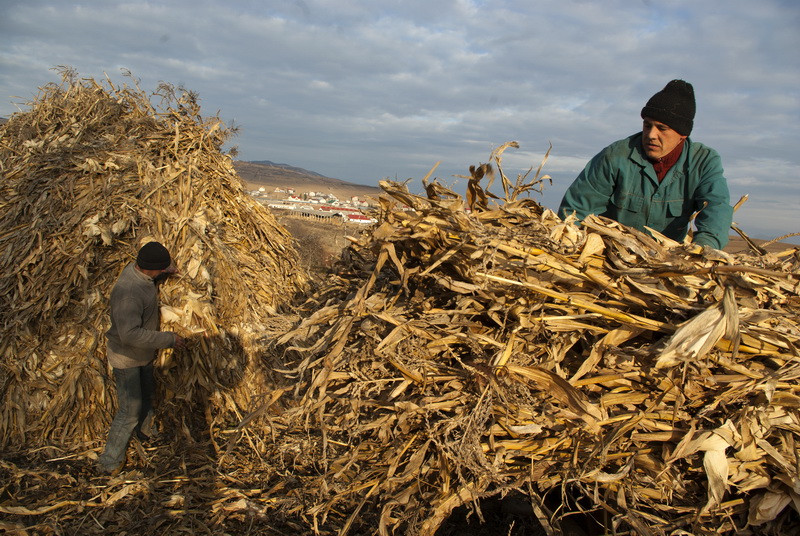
[
  {"x": 89, "y": 174},
  {"x": 459, "y": 355}
]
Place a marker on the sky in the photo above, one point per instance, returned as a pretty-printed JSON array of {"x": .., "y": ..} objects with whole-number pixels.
[{"x": 366, "y": 90}]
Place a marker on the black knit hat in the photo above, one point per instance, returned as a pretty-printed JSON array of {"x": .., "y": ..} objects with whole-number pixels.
[
  {"x": 674, "y": 106},
  {"x": 153, "y": 256}
]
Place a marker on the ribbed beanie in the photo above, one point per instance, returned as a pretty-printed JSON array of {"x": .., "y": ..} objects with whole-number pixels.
[
  {"x": 674, "y": 106},
  {"x": 153, "y": 256}
]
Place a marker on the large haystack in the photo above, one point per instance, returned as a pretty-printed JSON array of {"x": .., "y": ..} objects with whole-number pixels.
[
  {"x": 462, "y": 355},
  {"x": 90, "y": 172}
]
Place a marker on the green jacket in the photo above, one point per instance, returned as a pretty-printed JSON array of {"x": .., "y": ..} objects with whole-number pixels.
[{"x": 621, "y": 184}]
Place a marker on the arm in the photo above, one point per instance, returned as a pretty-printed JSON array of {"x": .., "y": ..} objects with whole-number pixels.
[
  {"x": 127, "y": 316},
  {"x": 714, "y": 220},
  {"x": 591, "y": 192}
]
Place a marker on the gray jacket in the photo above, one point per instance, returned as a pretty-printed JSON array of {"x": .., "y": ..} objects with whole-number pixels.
[{"x": 133, "y": 338}]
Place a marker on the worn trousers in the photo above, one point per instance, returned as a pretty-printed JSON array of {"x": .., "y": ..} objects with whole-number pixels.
[{"x": 135, "y": 387}]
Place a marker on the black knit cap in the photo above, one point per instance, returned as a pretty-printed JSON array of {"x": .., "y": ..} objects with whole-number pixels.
[
  {"x": 674, "y": 106},
  {"x": 153, "y": 256}
]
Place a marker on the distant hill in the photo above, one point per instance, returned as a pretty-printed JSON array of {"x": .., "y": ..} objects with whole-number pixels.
[
  {"x": 286, "y": 167},
  {"x": 263, "y": 173}
]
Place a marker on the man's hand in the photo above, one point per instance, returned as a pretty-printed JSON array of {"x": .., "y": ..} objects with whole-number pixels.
[{"x": 180, "y": 342}]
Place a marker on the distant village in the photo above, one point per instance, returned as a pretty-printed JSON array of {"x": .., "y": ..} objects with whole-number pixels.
[{"x": 319, "y": 206}]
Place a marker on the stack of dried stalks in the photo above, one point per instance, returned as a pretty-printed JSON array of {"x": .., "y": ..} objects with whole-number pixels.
[
  {"x": 459, "y": 355},
  {"x": 90, "y": 172}
]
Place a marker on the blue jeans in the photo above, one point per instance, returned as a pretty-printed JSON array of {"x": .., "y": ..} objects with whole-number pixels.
[{"x": 135, "y": 387}]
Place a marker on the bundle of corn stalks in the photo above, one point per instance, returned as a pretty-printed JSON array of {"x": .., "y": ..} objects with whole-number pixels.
[
  {"x": 90, "y": 172},
  {"x": 462, "y": 354}
]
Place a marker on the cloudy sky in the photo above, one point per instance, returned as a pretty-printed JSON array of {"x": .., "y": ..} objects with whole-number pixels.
[{"x": 368, "y": 89}]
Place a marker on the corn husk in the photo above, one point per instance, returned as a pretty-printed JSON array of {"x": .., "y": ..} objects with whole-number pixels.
[
  {"x": 463, "y": 354},
  {"x": 454, "y": 355}
]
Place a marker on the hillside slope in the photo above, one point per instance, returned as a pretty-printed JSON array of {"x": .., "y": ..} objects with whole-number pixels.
[{"x": 270, "y": 175}]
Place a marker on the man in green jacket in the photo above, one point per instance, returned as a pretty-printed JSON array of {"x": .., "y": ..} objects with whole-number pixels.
[
  {"x": 133, "y": 341},
  {"x": 658, "y": 178}
]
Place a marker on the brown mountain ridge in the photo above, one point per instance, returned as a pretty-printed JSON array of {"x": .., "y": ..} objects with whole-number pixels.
[{"x": 269, "y": 175}]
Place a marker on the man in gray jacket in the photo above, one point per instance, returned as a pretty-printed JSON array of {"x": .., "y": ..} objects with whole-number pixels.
[{"x": 133, "y": 341}]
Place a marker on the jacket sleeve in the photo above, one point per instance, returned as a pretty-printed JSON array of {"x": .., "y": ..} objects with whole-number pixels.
[
  {"x": 127, "y": 316},
  {"x": 591, "y": 192},
  {"x": 712, "y": 199}
]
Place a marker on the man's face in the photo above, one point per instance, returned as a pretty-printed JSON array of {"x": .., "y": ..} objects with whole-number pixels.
[
  {"x": 163, "y": 274},
  {"x": 658, "y": 140}
]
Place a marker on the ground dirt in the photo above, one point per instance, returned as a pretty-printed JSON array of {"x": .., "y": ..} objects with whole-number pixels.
[{"x": 319, "y": 244}]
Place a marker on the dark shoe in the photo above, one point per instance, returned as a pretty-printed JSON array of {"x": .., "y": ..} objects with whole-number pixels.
[
  {"x": 111, "y": 471},
  {"x": 147, "y": 440}
]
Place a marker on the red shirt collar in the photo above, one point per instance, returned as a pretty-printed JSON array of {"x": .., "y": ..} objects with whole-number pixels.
[{"x": 667, "y": 161}]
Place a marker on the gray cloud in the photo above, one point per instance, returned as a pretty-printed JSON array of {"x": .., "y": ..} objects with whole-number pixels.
[{"x": 364, "y": 90}]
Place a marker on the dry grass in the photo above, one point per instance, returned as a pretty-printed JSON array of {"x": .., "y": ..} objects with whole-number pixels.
[
  {"x": 459, "y": 356},
  {"x": 89, "y": 173},
  {"x": 448, "y": 358}
]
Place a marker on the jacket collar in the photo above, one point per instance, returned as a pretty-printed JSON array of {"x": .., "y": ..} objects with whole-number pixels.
[
  {"x": 139, "y": 275},
  {"x": 637, "y": 155}
]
